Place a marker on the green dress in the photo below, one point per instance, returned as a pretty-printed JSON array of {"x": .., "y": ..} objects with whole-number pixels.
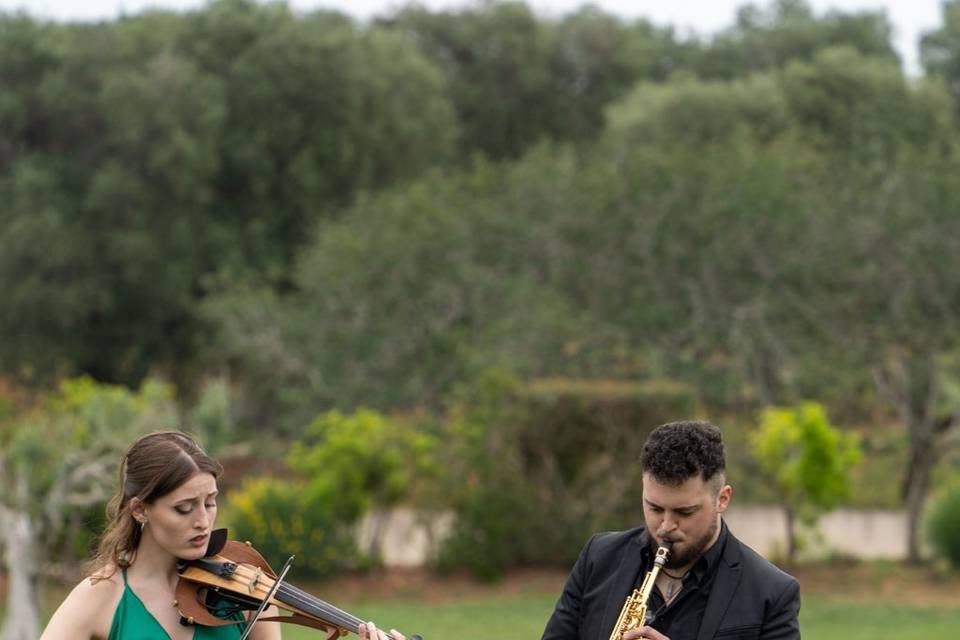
[{"x": 132, "y": 621}]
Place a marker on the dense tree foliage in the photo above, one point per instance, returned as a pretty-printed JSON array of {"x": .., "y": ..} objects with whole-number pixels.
[
  {"x": 148, "y": 161},
  {"x": 940, "y": 49},
  {"x": 768, "y": 37},
  {"x": 787, "y": 235},
  {"x": 143, "y": 157},
  {"x": 332, "y": 215},
  {"x": 516, "y": 79}
]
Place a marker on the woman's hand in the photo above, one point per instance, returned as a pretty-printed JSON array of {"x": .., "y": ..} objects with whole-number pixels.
[{"x": 369, "y": 631}]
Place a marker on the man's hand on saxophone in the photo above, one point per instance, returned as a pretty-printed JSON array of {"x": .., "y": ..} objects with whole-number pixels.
[{"x": 647, "y": 633}]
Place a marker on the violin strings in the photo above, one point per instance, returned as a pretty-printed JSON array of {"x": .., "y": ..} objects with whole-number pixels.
[
  {"x": 289, "y": 594},
  {"x": 301, "y": 598},
  {"x": 320, "y": 608}
]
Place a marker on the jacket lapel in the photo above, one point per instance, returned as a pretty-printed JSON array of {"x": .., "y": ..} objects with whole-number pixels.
[
  {"x": 623, "y": 584},
  {"x": 724, "y": 586}
]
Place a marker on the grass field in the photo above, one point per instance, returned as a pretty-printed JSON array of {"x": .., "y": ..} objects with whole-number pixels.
[
  {"x": 888, "y": 601},
  {"x": 825, "y": 620},
  {"x": 870, "y": 602},
  {"x": 503, "y": 618},
  {"x": 523, "y": 619}
]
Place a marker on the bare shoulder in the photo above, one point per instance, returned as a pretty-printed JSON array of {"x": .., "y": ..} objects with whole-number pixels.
[
  {"x": 87, "y": 612},
  {"x": 101, "y": 590}
]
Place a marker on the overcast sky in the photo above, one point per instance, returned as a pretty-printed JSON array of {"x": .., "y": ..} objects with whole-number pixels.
[{"x": 910, "y": 17}]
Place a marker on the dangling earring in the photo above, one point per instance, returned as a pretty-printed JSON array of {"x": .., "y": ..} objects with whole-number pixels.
[{"x": 143, "y": 523}]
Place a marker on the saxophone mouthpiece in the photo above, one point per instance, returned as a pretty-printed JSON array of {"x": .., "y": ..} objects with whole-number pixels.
[{"x": 663, "y": 553}]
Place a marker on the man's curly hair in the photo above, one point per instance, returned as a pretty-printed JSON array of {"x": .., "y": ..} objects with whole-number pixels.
[{"x": 678, "y": 451}]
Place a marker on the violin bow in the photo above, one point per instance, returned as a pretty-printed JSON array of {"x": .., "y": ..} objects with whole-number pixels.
[{"x": 266, "y": 599}]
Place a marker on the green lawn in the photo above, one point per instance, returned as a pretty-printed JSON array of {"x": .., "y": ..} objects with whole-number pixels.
[
  {"x": 481, "y": 619},
  {"x": 823, "y": 620},
  {"x": 523, "y": 617}
]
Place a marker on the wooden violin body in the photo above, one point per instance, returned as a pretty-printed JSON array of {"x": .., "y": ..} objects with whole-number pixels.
[{"x": 233, "y": 576}]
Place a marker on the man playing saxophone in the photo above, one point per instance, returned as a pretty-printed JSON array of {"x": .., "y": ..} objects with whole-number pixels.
[{"x": 710, "y": 585}]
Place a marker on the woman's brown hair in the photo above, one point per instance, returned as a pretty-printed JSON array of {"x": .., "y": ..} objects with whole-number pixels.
[{"x": 153, "y": 466}]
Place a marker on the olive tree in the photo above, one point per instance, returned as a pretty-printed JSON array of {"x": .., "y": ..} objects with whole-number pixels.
[{"x": 61, "y": 455}]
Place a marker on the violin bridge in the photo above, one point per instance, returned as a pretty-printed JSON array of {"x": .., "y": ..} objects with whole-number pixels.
[{"x": 255, "y": 579}]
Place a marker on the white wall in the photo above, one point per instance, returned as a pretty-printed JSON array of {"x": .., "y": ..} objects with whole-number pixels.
[
  {"x": 409, "y": 537},
  {"x": 865, "y": 534}
]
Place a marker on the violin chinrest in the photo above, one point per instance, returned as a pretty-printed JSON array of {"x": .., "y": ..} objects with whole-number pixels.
[{"x": 218, "y": 538}]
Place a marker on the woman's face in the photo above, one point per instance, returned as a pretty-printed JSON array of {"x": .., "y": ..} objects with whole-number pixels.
[{"x": 180, "y": 522}]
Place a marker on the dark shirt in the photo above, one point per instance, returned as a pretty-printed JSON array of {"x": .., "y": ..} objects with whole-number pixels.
[{"x": 680, "y": 620}]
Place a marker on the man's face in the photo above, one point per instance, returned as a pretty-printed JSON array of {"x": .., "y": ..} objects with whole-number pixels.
[{"x": 687, "y": 515}]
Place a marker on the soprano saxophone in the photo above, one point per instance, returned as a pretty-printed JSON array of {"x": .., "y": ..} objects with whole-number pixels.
[{"x": 634, "y": 612}]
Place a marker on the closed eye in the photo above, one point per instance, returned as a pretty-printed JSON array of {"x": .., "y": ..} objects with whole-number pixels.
[{"x": 183, "y": 510}]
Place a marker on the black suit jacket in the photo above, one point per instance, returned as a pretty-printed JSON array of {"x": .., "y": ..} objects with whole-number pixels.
[{"x": 750, "y": 599}]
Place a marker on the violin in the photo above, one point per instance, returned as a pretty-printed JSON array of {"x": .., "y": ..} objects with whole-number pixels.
[{"x": 233, "y": 576}]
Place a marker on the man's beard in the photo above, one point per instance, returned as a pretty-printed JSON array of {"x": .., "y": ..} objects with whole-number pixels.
[{"x": 691, "y": 551}]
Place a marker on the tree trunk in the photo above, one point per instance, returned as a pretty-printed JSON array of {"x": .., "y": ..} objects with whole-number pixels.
[
  {"x": 925, "y": 440},
  {"x": 23, "y": 615},
  {"x": 916, "y": 482},
  {"x": 791, "y": 534},
  {"x": 913, "y": 386}
]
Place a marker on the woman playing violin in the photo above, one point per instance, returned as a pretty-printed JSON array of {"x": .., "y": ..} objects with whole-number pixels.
[{"x": 162, "y": 512}]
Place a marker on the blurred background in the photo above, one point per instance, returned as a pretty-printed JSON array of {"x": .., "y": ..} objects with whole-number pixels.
[{"x": 424, "y": 277}]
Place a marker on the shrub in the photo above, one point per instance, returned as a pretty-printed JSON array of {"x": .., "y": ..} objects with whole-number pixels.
[
  {"x": 283, "y": 518},
  {"x": 807, "y": 460},
  {"x": 536, "y": 466},
  {"x": 372, "y": 460},
  {"x": 346, "y": 465},
  {"x": 485, "y": 539},
  {"x": 943, "y": 523}
]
